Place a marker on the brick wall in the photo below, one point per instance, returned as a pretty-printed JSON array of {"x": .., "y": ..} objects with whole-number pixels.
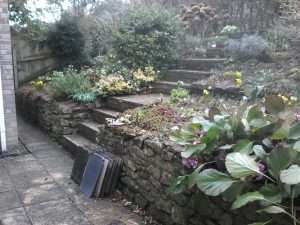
[{"x": 7, "y": 77}]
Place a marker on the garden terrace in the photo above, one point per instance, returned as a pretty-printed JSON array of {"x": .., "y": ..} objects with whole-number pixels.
[{"x": 150, "y": 164}]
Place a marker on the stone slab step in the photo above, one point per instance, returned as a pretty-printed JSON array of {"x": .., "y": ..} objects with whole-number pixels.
[
  {"x": 165, "y": 87},
  {"x": 215, "y": 52},
  {"x": 99, "y": 115},
  {"x": 74, "y": 141},
  {"x": 89, "y": 130},
  {"x": 222, "y": 89},
  {"x": 200, "y": 64},
  {"x": 186, "y": 75},
  {"x": 122, "y": 103}
]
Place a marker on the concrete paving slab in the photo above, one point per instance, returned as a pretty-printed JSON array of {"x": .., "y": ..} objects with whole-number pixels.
[
  {"x": 24, "y": 179},
  {"x": 69, "y": 185},
  {"x": 47, "y": 153},
  {"x": 103, "y": 211},
  {"x": 42, "y": 193},
  {"x": 58, "y": 167},
  {"x": 15, "y": 167},
  {"x": 16, "y": 216},
  {"x": 9, "y": 200},
  {"x": 23, "y": 158},
  {"x": 56, "y": 213},
  {"x": 5, "y": 182}
]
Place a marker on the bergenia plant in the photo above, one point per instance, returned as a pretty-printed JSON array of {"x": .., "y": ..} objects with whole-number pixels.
[{"x": 261, "y": 150}]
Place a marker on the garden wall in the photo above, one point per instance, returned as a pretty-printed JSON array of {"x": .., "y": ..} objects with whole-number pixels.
[
  {"x": 149, "y": 165},
  {"x": 57, "y": 118}
]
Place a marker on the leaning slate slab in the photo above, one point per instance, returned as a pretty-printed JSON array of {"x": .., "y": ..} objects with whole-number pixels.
[
  {"x": 79, "y": 165},
  {"x": 91, "y": 174}
]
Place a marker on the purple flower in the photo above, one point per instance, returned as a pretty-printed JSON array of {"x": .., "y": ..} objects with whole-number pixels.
[
  {"x": 202, "y": 134},
  {"x": 279, "y": 144},
  {"x": 297, "y": 116},
  {"x": 262, "y": 168},
  {"x": 197, "y": 142},
  {"x": 192, "y": 163}
]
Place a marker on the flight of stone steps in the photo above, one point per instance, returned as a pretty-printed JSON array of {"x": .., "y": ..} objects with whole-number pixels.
[
  {"x": 87, "y": 132},
  {"x": 187, "y": 70}
]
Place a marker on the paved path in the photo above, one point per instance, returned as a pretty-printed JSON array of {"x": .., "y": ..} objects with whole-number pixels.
[{"x": 36, "y": 189}]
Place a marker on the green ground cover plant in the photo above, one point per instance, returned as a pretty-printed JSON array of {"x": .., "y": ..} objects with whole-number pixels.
[{"x": 259, "y": 144}]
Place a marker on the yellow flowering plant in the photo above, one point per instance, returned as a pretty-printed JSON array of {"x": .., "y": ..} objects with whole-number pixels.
[
  {"x": 237, "y": 75},
  {"x": 207, "y": 95},
  {"x": 39, "y": 84}
]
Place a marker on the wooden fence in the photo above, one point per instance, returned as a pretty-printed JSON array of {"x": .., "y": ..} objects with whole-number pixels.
[{"x": 31, "y": 60}]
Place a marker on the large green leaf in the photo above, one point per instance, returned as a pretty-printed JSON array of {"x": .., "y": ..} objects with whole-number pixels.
[
  {"x": 278, "y": 160},
  {"x": 205, "y": 123},
  {"x": 247, "y": 198},
  {"x": 241, "y": 165},
  {"x": 297, "y": 146},
  {"x": 233, "y": 191},
  {"x": 192, "y": 178},
  {"x": 274, "y": 104},
  {"x": 201, "y": 203},
  {"x": 260, "y": 223},
  {"x": 272, "y": 193},
  {"x": 192, "y": 149},
  {"x": 291, "y": 175},
  {"x": 244, "y": 146},
  {"x": 260, "y": 152},
  {"x": 177, "y": 185},
  {"x": 282, "y": 133},
  {"x": 295, "y": 132},
  {"x": 255, "y": 113},
  {"x": 213, "y": 182},
  {"x": 176, "y": 137},
  {"x": 272, "y": 210}
]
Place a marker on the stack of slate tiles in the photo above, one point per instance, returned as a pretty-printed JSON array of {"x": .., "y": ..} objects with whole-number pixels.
[{"x": 96, "y": 171}]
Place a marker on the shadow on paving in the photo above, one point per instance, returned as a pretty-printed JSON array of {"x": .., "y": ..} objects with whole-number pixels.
[{"x": 36, "y": 189}]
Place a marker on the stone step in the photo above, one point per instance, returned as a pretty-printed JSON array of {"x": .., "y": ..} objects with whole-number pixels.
[
  {"x": 223, "y": 89},
  {"x": 200, "y": 64},
  {"x": 165, "y": 87},
  {"x": 99, "y": 115},
  {"x": 186, "y": 75},
  {"x": 72, "y": 142},
  {"x": 122, "y": 103},
  {"x": 215, "y": 52},
  {"x": 89, "y": 130}
]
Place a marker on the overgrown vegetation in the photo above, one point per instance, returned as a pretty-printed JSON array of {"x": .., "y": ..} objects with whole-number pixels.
[{"x": 260, "y": 145}]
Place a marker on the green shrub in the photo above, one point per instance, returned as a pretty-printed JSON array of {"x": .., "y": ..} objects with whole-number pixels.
[
  {"x": 67, "y": 41},
  {"x": 148, "y": 35},
  {"x": 255, "y": 155},
  {"x": 70, "y": 83}
]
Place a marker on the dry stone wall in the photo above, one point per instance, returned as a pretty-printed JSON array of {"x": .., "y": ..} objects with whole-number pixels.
[{"x": 57, "y": 118}]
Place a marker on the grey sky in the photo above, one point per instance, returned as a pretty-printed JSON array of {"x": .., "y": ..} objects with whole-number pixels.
[{"x": 42, "y": 4}]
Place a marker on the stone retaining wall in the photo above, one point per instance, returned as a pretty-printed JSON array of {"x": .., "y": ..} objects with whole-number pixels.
[
  {"x": 57, "y": 118},
  {"x": 149, "y": 166}
]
